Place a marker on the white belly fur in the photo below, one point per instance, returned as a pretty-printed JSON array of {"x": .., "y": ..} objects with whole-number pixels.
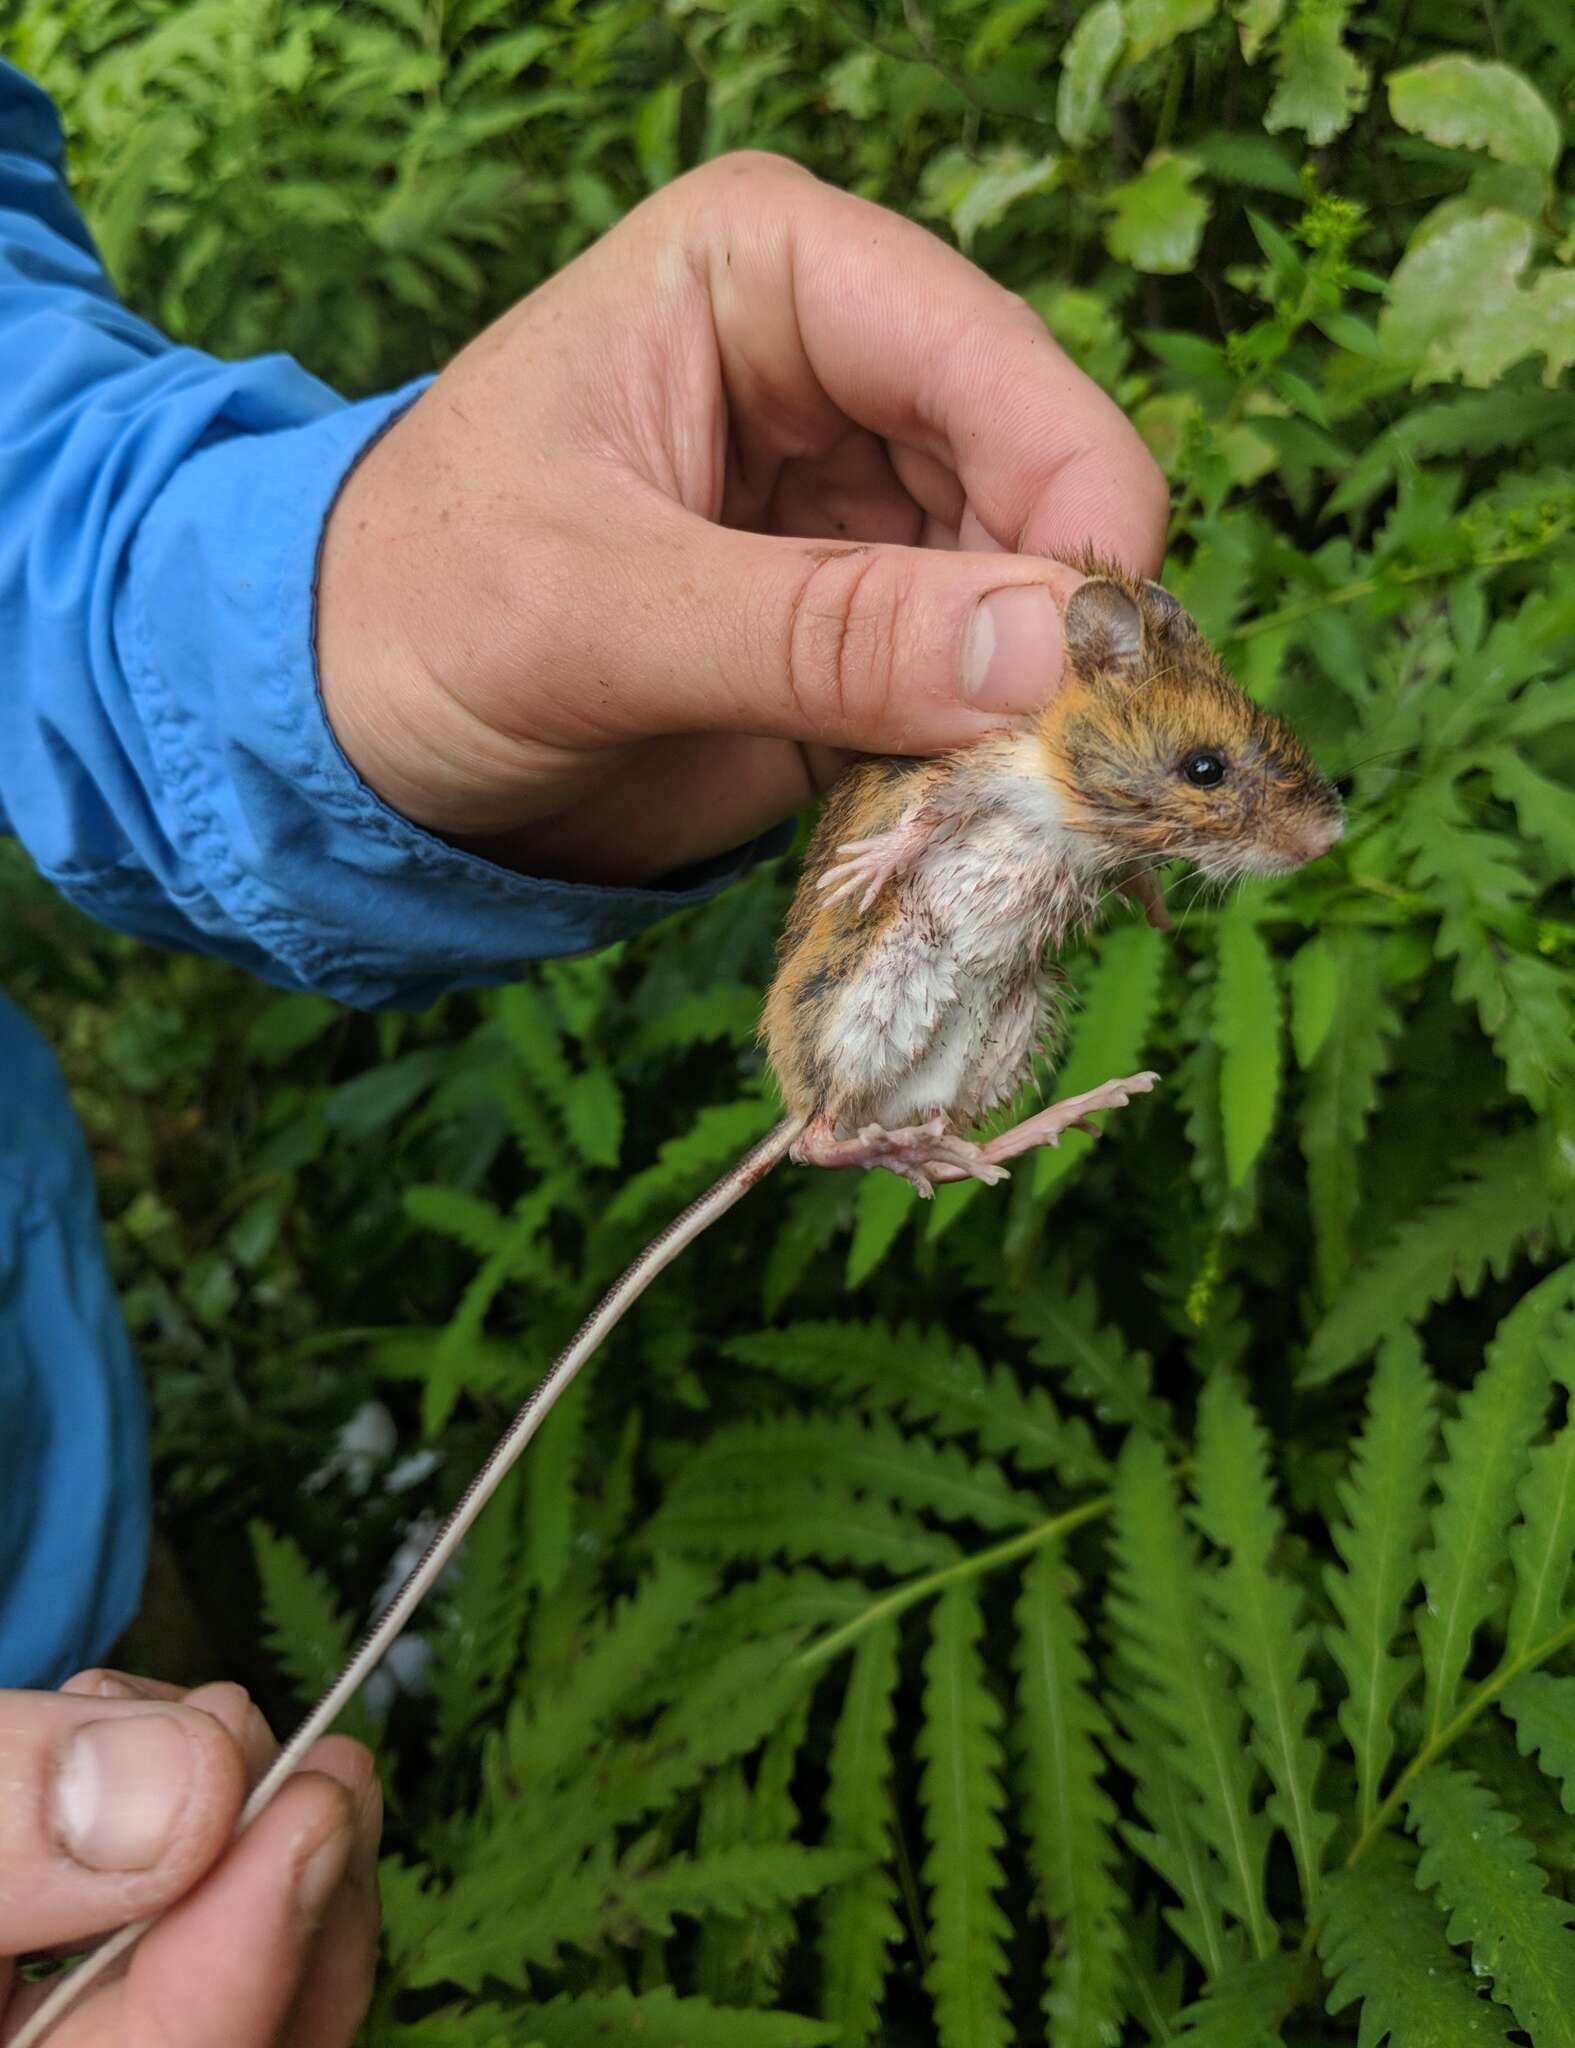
[{"x": 945, "y": 1017}]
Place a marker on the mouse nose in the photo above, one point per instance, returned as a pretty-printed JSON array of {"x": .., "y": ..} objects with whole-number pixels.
[{"x": 1317, "y": 834}]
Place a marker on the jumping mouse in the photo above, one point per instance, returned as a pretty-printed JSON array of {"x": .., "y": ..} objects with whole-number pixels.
[{"x": 912, "y": 986}]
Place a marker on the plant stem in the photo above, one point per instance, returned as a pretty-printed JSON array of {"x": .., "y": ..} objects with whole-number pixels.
[{"x": 901, "y": 1598}]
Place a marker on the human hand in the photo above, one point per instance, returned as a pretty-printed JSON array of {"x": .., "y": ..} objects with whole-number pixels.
[
  {"x": 741, "y": 488},
  {"x": 119, "y": 1794}
]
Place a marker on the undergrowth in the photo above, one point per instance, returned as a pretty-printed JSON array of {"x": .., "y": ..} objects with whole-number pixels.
[{"x": 1132, "y": 1605}]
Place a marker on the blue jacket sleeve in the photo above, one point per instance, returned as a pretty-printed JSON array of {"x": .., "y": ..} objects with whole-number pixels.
[{"x": 164, "y": 755}]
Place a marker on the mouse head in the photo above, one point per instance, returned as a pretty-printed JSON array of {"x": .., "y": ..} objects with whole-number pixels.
[{"x": 1161, "y": 755}]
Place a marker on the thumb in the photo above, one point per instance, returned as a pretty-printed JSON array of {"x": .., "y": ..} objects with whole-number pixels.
[
  {"x": 113, "y": 1808},
  {"x": 876, "y": 647}
]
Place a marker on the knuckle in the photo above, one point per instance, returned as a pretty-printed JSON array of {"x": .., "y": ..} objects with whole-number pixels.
[{"x": 840, "y": 653}]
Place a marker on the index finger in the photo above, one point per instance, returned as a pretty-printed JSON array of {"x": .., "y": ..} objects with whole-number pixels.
[{"x": 906, "y": 337}]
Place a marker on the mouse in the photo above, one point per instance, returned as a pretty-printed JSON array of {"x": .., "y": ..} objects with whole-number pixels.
[{"x": 915, "y": 980}]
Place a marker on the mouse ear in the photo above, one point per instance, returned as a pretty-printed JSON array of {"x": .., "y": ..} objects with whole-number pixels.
[
  {"x": 1167, "y": 614},
  {"x": 1104, "y": 628}
]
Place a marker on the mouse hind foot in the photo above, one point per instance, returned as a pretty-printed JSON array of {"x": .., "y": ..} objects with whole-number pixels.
[
  {"x": 1074, "y": 1114},
  {"x": 920, "y": 1154}
]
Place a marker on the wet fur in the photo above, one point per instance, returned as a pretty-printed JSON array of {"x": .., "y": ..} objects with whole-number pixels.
[{"x": 934, "y": 1000}]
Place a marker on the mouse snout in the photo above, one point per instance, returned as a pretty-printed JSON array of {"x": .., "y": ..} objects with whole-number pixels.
[{"x": 1315, "y": 835}]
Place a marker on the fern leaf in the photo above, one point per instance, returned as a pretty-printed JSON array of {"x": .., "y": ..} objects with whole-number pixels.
[
  {"x": 479, "y": 1226},
  {"x": 1383, "y": 1943},
  {"x": 1246, "y": 2007},
  {"x": 550, "y": 1492},
  {"x": 1118, "y": 999},
  {"x": 1248, "y": 1017},
  {"x": 1488, "y": 1880},
  {"x": 1171, "y": 1843},
  {"x": 1478, "y": 1226},
  {"x": 748, "y": 1878},
  {"x": 533, "y": 1037},
  {"x": 1487, "y": 1447},
  {"x": 661, "y": 2019},
  {"x": 1057, "y": 1316},
  {"x": 859, "y": 1920},
  {"x": 483, "y": 1619},
  {"x": 1382, "y": 1498},
  {"x": 728, "y": 1011},
  {"x": 1258, "y": 1618},
  {"x": 1158, "y": 1612},
  {"x": 798, "y": 1519},
  {"x": 880, "y": 1209},
  {"x": 962, "y": 1797},
  {"x": 1543, "y": 1544},
  {"x": 1342, "y": 1089},
  {"x": 715, "y": 1138},
  {"x": 1068, "y": 1815},
  {"x": 1542, "y": 1708},
  {"x": 929, "y": 1378},
  {"x": 1543, "y": 807},
  {"x": 303, "y": 1624},
  {"x": 593, "y": 1112},
  {"x": 636, "y": 1636},
  {"x": 873, "y": 1457}
]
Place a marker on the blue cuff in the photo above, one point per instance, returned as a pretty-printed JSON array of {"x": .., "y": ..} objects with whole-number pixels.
[{"x": 305, "y": 874}]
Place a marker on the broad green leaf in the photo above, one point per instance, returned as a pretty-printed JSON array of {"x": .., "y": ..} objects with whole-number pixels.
[
  {"x": 1383, "y": 1943},
  {"x": 859, "y": 1922},
  {"x": 1464, "y": 103},
  {"x": 1157, "y": 220},
  {"x": 1151, "y": 24},
  {"x": 1460, "y": 304},
  {"x": 884, "y": 1203},
  {"x": 1382, "y": 1502},
  {"x": 1117, "y": 1000},
  {"x": 1256, "y": 20},
  {"x": 1247, "y": 1029},
  {"x": 1315, "y": 996},
  {"x": 1086, "y": 64},
  {"x": 963, "y": 1800},
  {"x": 1069, "y": 1817},
  {"x": 1487, "y": 1879},
  {"x": 1320, "y": 83}
]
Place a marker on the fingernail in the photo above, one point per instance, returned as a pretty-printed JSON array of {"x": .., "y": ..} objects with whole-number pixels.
[
  {"x": 1013, "y": 657},
  {"x": 320, "y": 1873},
  {"x": 120, "y": 1790}
]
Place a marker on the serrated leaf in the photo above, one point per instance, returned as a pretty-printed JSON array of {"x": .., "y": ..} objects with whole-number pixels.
[
  {"x": 1157, "y": 220},
  {"x": 1542, "y": 1708},
  {"x": 1246, "y": 2007},
  {"x": 1320, "y": 84},
  {"x": 1158, "y": 1611},
  {"x": 593, "y": 1111},
  {"x": 1086, "y": 64},
  {"x": 798, "y": 1519},
  {"x": 303, "y": 1624},
  {"x": 1382, "y": 1501},
  {"x": 1152, "y": 24},
  {"x": 962, "y": 1800},
  {"x": 1247, "y": 1025},
  {"x": 1476, "y": 1227},
  {"x": 859, "y": 1922},
  {"x": 1068, "y": 1815},
  {"x": 882, "y": 1206},
  {"x": 1058, "y": 1316},
  {"x": 1117, "y": 1004},
  {"x": 1384, "y": 1944},
  {"x": 1355, "y": 1050},
  {"x": 659, "y": 2019},
  {"x": 1486, "y": 1877},
  {"x": 1486, "y": 1447},
  {"x": 1258, "y": 1619},
  {"x": 1315, "y": 995},
  {"x": 1460, "y": 304},
  {"x": 1463, "y": 102},
  {"x": 1543, "y": 1545}
]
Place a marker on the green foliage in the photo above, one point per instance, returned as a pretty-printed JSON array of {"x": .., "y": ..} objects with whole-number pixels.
[{"x": 1056, "y": 1639}]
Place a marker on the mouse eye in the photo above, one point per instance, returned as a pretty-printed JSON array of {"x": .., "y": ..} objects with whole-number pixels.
[{"x": 1204, "y": 768}]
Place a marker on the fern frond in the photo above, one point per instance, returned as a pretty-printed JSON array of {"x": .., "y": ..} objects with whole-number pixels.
[
  {"x": 483, "y": 1619},
  {"x": 1258, "y": 1618},
  {"x": 1489, "y": 1882},
  {"x": 873, "y": 1457},
  {"x": 1057, "y": 1316},
  {"x": 1246, "y": 2007},
  {"x": 303, "y": 1624},
  {"x": 1542, "y": 806},
  {"x": 797, "y": 1519},
  {"x": 1487, "y": 1447},
  {"x": 593, "y": 1113},
  {"x": 661, "y": 2019},
  {"x": 1158, "y": 1614},
  {"x": 1542, "y": 1545},
  {"x": 1477, "y": 1226},
  {"x": 1542, "y": 1708},
  {"x": 1068, "y": 1816},
  {"x": 748, "y": 1878},
  {"x": 547, "y": 1739},
  {"x": 1342, "y": 1088},
  {"x": 1382, "y": 1499},
  {"x": 880, "y": 1209},
  {"x": 726, "y": 1011},
  {"x": 1383, "y": 1943},
  {"x": 481, "y": 1227},
  {"x": 859, "y": 1921},
  {"x": 716, "y": 1137},
  {"x": 1248, "y": 1016},
  {"x": 551, "y": 1490},
  {"x": 962, "y": 1797},
  {"x": 929, "y": 1378},
  {"x": 1171, "y": 1843},
  {"x": 1118, "y": 996}
]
